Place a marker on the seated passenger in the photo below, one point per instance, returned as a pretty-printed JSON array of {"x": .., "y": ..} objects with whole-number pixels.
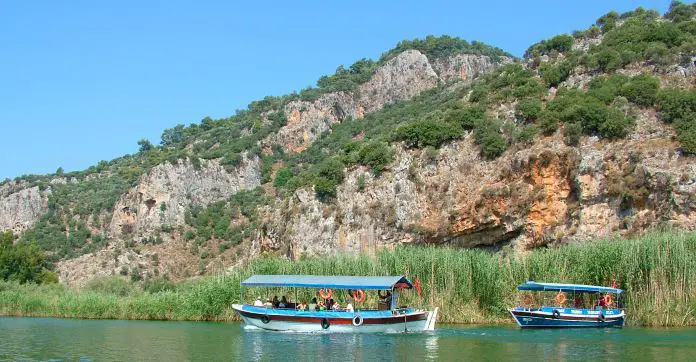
[
  {"x": 258, "y": 302},
  {"x": 577, "y": 303},
  {"x": 268, "y": 303},
  {"x": 601, "y": 302},
  {"x": 312, "y": 305},
  {"x": 283, "y": 302},
  {"x": 384, "y": 300},
  {"x": 301, "y": 306},
  {"x": 275, "y": 301},
  {"x": 335, "y": 306},
  {"x": 321, "y": 306},
  {"x": 329, "y": 304},
  {"x": 349, "y": 308}
]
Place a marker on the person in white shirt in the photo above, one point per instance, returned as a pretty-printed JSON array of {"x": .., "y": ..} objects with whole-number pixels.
[
  {"x": 349, "y": 308},
  {"x": 258, "y": 302}
]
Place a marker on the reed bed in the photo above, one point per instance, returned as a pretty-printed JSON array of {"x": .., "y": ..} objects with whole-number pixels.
[{"x": 657, "y": 271}]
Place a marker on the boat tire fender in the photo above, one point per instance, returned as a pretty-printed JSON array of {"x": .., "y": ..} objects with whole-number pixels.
[
  {"x": 325, "y": 323},
  {"x": 357, "y": 320},
  {"x": 265, "y": 319},
  {"x": 556, "y": 314}
]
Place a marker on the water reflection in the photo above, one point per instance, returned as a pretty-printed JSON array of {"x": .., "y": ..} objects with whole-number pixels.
[{"x": 45, "y": 339}]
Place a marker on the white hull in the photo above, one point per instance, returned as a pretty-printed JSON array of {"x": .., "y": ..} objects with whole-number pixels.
[{"x": 427, "y": 324}]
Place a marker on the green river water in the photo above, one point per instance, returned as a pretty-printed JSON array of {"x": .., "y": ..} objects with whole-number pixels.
[{"x": 99, "y": 340}]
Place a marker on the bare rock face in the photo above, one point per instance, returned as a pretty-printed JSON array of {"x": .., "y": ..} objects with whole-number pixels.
[
  {"x": 163, "y": 194},
  {"x": 466, "y": 66},
  {"x": 403, "y": 77},
  {"x": 406, "y": 75},
  {"x": 532, "y": 196},
  {"x": 21, "y": 206},
  {"x": 308, "y": 120}
]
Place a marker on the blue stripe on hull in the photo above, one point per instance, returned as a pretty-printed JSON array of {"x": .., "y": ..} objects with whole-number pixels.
[{"x": 541, "y": 322}]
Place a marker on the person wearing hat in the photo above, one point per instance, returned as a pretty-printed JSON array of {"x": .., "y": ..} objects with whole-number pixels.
[{"x": 258, "y": 302}]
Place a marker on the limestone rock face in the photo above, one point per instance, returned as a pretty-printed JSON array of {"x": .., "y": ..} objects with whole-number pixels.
[
  {"x": 21, "y": 206},
  {"x": 532, "y": 196},
  {"x": 404, "y": 76},
  {"x": 164, "y": 193},
  {"x": 308, "y": 120},
  {"x": 466, "y": 66}
]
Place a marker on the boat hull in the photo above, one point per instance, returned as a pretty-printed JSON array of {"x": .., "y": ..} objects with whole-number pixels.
[
  {"x": 567, "y": 318},
  {"x": 341, "y": 322}
]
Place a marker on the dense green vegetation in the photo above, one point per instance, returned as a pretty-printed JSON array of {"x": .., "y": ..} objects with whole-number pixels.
[
  {"x": 22, "y": 262},
  {"x": 470, "y": 286}
]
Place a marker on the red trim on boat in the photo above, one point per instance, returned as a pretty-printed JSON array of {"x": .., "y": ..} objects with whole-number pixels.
[
  {"x": 347, "y": 320},
  {"x": 587, "y": 318}
]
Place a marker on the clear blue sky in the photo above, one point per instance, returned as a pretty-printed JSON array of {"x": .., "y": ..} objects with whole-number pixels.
[{"x": 82, "y": 81}]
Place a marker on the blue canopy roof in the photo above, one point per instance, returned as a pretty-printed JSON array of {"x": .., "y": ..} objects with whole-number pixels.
[
  {"x": 328, "y": 281},
  {"x": 531, "y": 285}
]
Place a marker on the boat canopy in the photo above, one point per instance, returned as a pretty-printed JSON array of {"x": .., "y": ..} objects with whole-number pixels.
[
  {"x": 328, "y": 281},
  {"x": 531, "y": 285}
]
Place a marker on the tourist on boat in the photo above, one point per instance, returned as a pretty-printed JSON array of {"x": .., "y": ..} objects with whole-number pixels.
[
  {"x": 330, "y": 303},
  {"x": 275, "y": 301},
  {"x": 268, "y": 303},
  {"x": 321, "y": 306},
  {"x": 335, "y": 306},
  {"x": 349, "y": 308},
  {"x": 301, "y": 306},
  {"x": 384, "y": 300},
  {"x": 313, "y": 304},
  {"x": 601, "y": 303},
  {"x": 258, "y": 302},
  {"x": 283, "y": 302},
  {"x": 577, "y": 302}
]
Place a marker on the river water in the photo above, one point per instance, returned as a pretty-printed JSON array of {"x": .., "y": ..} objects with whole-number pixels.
[{"x": 71, "y": 339}]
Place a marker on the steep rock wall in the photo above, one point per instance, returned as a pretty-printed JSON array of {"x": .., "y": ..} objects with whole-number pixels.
[
  {"x": 21, "y": 206},
  {"x": 164, "y": 193}
]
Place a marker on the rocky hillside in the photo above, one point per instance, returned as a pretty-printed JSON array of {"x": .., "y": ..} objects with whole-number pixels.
[{"x": 440, "y": 141}]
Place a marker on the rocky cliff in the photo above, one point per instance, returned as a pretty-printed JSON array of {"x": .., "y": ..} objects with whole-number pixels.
[
  {"x": 537, "y": 190},
  {"x": 21, "y": 205}
]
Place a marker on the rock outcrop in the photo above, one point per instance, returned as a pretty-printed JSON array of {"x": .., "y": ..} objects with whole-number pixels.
[
  {"x": 164, "y": 193},
  {"x": 21, "y": 206},
  {"x": 548, "y": 192},
  {"x": 406, "y": 75}
]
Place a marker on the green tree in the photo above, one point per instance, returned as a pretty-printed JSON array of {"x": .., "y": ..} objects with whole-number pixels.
[
  {"x": 145, "y": 145},
  {"x": 283, "y": 175},
  {"x": 641, "y": 90},
  {"x": 528, "y": 110}
]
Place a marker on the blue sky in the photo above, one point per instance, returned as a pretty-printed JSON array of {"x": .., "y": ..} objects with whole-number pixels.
[{"x": 83, "y": 81}]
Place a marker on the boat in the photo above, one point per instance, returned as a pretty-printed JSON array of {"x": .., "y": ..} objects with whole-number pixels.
[
  {"x": 388, "y": 319},
  {"x": 592, "y": 306}
]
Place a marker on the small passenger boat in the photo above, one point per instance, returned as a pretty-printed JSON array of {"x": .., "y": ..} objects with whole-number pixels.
[
  {"x": 574, "y": 305},
  {"x": 387, "y": 319}
]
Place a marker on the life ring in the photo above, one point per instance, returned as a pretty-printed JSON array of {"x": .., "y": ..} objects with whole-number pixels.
[
  {"x": 357, "y": 320},
  {"x": 325, "y": 323},
  {"x": 327, "y": 295},
  {"x": 560, "y": 298},
  {"x": 608, "y": 301},
  {"x": 556, "y": 314},
  {"x": 358, "y": 295},
  {"x": 265, "y": 319}
]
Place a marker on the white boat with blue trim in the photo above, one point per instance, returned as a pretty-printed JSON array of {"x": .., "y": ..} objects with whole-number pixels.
[
  {"x": 387, "y": 319},
  {"x": 604, "y": 311}
]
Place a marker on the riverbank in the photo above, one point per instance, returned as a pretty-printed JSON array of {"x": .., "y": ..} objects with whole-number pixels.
[{"x": 658, "y": 272}]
